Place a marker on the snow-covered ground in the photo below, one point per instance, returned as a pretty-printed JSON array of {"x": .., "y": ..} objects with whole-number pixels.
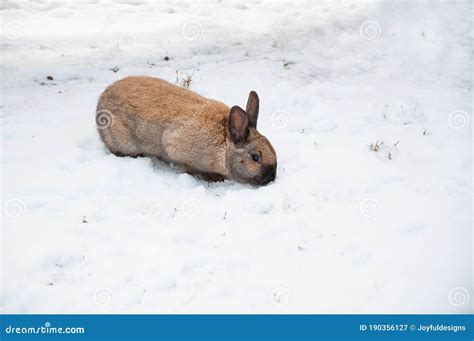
[{"x": 346, "y": 227}]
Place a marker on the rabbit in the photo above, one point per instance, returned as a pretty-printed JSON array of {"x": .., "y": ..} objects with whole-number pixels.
[{"x": 146, "y": 116}]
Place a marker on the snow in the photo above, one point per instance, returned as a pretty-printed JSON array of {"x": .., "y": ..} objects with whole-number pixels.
[{"x": 344, "y": 229}]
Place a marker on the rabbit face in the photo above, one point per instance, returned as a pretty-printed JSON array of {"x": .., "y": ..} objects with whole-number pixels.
[
  {"x": 250, "y": 156},
  {"x": 254, "y": 162}
]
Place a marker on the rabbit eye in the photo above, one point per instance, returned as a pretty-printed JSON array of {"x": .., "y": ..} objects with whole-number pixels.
[{"x": 256, "y": 157}]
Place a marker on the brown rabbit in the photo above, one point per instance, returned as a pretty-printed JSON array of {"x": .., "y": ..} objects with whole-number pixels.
[{"x": 144, "y": 116}]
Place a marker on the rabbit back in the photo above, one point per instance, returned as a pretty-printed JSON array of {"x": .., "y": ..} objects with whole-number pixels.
[{"x": 147, "y": 116}]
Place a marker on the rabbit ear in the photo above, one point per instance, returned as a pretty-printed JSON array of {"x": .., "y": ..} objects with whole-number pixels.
[
  {"x": 253, "y": 104},
  {"x": 238, "y": 124}
]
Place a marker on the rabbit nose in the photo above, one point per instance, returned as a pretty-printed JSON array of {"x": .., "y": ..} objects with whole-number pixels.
[
  {"x": 269, "y": 174},
  {"x": 273, "y": 175}
]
